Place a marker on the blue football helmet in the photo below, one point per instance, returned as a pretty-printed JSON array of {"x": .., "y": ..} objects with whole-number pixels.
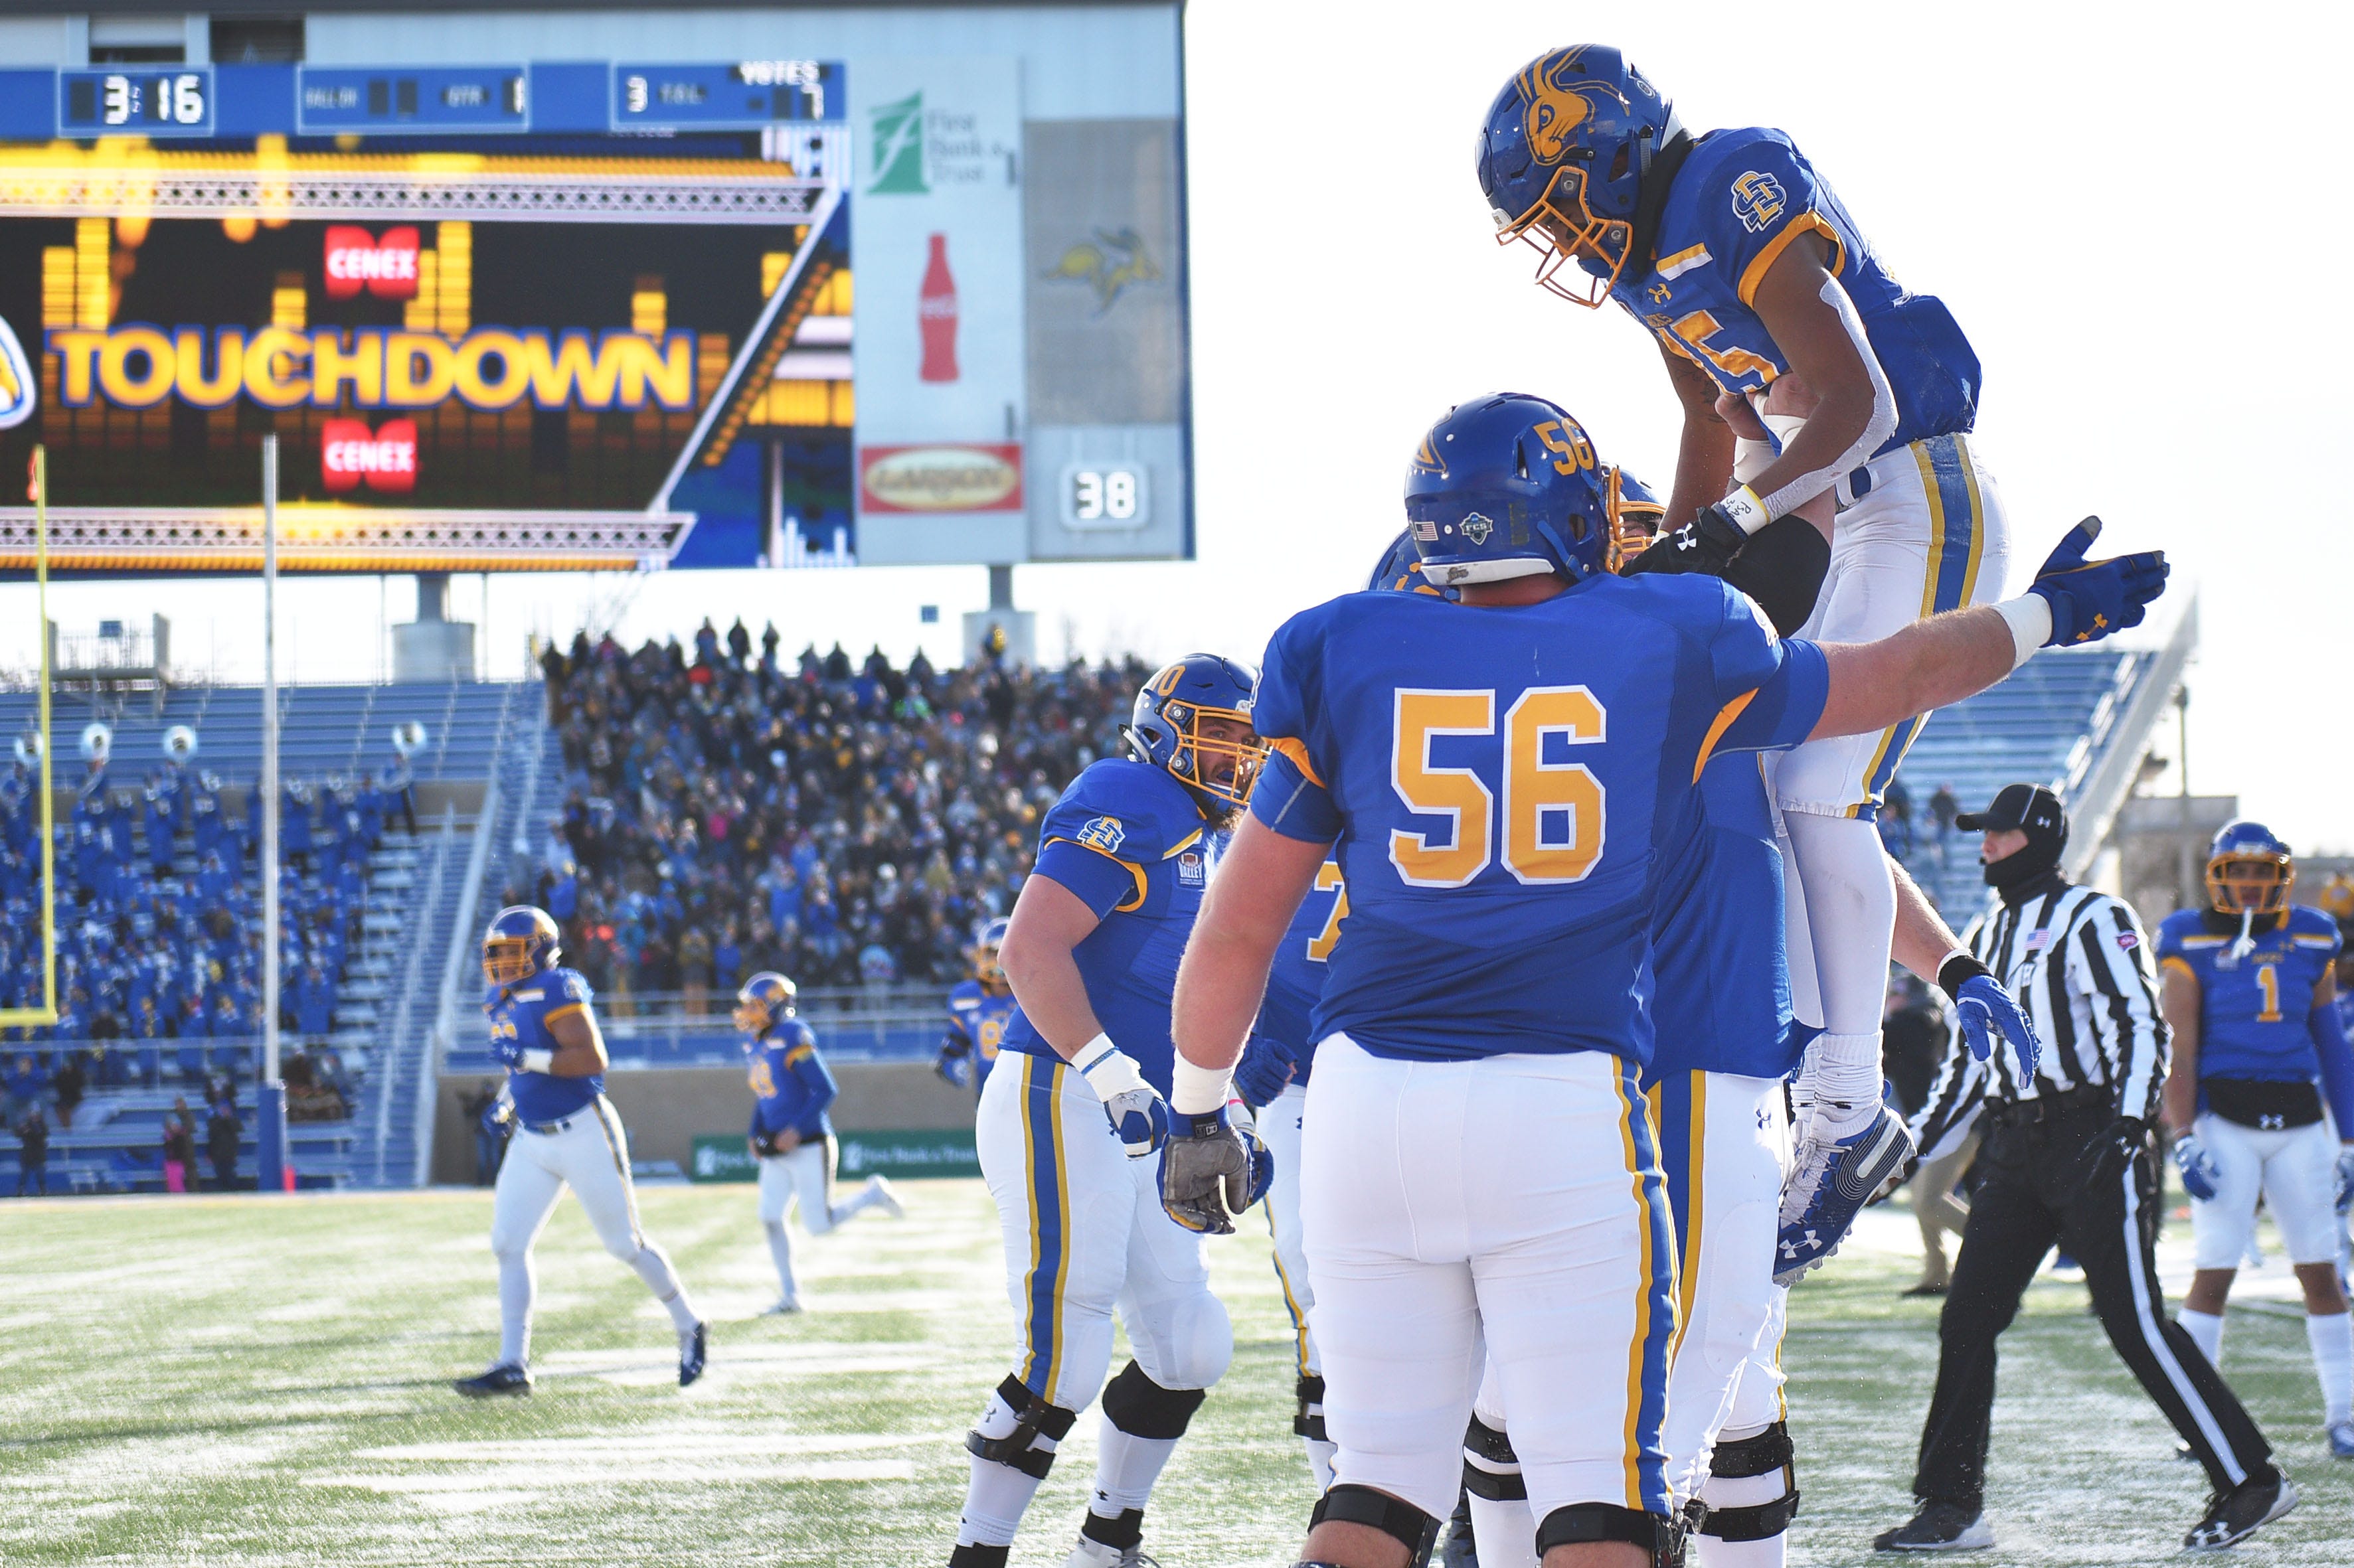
[
  {"x": 1400, "y": 570},
  {"x": 765, "y": 998},
  {"x": 984, "y": 954},
  {"x": 522, "y": 942},
  {"x": 1636, "y": 516},
  {"x": 1507, "y": 486},
  {"x": 2249, "y": 871},
  {"x": 1166, "y": 726},
  {"x": 1563, "y": 156}
]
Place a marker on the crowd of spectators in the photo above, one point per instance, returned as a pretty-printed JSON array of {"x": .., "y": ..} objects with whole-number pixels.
[
  {"x": 159, "y": 914},
  {"x": 727, "y": 813}
]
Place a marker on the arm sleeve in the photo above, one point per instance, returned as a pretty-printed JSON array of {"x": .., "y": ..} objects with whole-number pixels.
[
  {"x": 1101, "y": 882},
  {"x": 2336, "y": 1065},
  {"x": 810, "y": 1069},
  {"x": 954, "y": 1041},
  {"x": 753, "y": 1131},
  {"x": 2104, "y": 965},
  {"x": 1290, "y": 800}
]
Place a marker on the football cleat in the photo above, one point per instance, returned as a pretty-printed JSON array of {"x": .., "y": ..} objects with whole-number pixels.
[
  {"x": 1938, "y": 1527},
  {"x": 1830, "y": 1186},
  {"x": 887, "y": 1197},
  {"x": 501, "y": 1380},
  {"x": 782, "y": 1307},
  {"x": 2233, "y": 1516},
  {"x": 2341, "y": 1440},
  {"x": 1090, "y": 1553},
  {"x": 693, "y": 1350}
]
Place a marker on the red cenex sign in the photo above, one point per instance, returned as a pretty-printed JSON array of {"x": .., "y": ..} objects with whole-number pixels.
[
  {"x": 385, "y": 266},
  {"x": 384, "y": 458}
]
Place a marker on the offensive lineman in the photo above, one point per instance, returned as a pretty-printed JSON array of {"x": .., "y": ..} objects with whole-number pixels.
[
  {"x": 1078, "y": 1102},
  {"x": 1477, "y": 1161},
  {"x": 792, "y": 1135},
  {"x": 2251, "y": 995},
  {"x": 567, "y": 1134},
  {"x": 1781, "y": 326},
  {"x": 978, "y": 1010}
]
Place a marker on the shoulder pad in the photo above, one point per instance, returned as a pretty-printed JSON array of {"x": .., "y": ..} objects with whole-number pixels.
[
  {"x": 569, "y": 985},
  {"x": 1130, "y": 810},
  {"x": 2306, "y": 917}
]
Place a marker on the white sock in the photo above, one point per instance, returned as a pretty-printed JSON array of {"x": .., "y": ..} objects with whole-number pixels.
[
  {"x": 1126, "y": 1467},
  {"x": 1506, "y": 1530},
  {"x": 996, "y": 1496},
  {"x": 2333, "y": 1364},
  {"x": 781, "y": 1253},
  {"x": 1844, "y": 1073},
  {"x": 1850, "y": 917},
  {"x": 1319, "y": 1460},
  {"x": 1741, "y": 1491},
  {"x": 866, "y": 1198},
  {"x": 2206, "y": 1332},
  {"x": 653, "y": 1266},
  {"x": 518, "y": 1288}
]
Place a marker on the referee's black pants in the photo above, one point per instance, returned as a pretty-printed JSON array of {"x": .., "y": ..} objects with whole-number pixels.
[{"x": 2033, "y": 1191}]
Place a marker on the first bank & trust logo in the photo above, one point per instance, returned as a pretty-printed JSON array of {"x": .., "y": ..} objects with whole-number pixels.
[{"x": 18, "y": 389}]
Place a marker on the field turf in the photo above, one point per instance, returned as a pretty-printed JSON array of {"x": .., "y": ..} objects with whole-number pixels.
[{"x": 221, "y": 1381}]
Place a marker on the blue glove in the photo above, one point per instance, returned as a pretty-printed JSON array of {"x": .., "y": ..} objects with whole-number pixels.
[
  {"x": 956, "y": 1067},
  {"x": 1983, "y": 1006},
  {"x": 1263, "y": 1072},
  {"x": 1212, "y": 1167},
  {"x": 507, "y": 1051},
  {"x": 2198, "y": 1172},
  {"x": 2345, "y": 1181},
  {"x": 2093, "y": 600}
]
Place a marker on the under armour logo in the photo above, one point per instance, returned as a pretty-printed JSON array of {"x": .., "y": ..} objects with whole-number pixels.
[
  {"x": 2271, "y": 1123},
  {"x": 1687, "y": 537}
]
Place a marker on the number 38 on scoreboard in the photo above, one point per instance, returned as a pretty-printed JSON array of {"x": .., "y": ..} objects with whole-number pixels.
[{"x": 1105, "y": 496}]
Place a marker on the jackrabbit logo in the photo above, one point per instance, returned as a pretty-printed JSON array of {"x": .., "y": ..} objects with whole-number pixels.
[{"x": 17, "y": 382}]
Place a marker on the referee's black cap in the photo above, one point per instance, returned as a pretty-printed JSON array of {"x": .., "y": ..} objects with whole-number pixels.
[{"x": 2029, "y": 807}]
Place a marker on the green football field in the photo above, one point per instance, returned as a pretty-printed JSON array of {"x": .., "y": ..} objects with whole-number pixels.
[{"x": 262, "y": 1381}]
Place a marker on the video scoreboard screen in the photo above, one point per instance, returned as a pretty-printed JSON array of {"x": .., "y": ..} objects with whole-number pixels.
[{"x": 824, "y": 307}]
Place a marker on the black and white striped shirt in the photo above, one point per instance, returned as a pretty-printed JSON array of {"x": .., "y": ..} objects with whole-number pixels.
[{"x": 2079, "y": 962}]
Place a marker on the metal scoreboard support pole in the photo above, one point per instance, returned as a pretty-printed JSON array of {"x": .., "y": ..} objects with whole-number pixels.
[
  {"x": 45, "y": 1015},
  {"x": 275, "y": 1168}
]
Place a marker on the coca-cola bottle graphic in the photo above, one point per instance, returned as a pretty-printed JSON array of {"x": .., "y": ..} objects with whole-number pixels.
[{"x": 936, "y": 313}]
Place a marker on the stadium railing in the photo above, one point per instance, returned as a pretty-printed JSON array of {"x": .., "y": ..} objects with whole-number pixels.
[{"x": 658, "y": 1028}]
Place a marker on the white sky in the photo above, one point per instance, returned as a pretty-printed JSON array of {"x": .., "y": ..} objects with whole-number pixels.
[{"x": 2085, "y": 186}]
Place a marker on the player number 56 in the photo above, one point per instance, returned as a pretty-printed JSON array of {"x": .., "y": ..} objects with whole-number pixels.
[{"x": 1553, "y": 812}]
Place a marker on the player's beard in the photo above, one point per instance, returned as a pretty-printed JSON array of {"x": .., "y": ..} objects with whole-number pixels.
[{"x": 1225, "y": 815}]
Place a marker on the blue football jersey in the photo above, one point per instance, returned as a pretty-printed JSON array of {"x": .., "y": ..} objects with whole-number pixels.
[
  {"x": 1736, "y": 204},
  {"x": 978, "y": 1017},
  {"x": 1297, "y": 978},
  {"x": 522, "y": 1012},
  {"x": 790, "y": 1086},
  {"x": 1130, "y": 842},
  {"x": 1500, "y": 784},
  {"x": 2252, "y": 1010},
  {"x": 1721, "y": 973}
]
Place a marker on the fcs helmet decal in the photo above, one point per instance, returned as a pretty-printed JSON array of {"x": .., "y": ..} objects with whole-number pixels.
[
  {"x": 765, "y": 998},
  {"x": 1165, "y": 728},
  {"x": 522, "y": 941},
  {"x": 1507, "y": 486},
  {"x": 1562, "y": 159},
  {"x": 2249, "y": 871}
]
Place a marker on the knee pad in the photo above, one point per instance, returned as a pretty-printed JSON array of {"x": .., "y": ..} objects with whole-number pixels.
[
  {"x": 1760, "y": 1454},
  {"x": 1308, "y": 1420},
  {"x": 1142, "y": 1408},
  {"x": 1491, "y": 1468},
  {"x": 1033, "y": 1418},
  {"x": 1579, "y": 1523},
  {"x": 1394, "y": 1517}
]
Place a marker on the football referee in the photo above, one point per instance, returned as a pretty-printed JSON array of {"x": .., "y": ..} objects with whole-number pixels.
[{"x": 2065, "y": 1157}]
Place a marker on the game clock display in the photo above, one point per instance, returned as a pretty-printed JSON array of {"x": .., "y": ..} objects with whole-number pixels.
[{"x": 167, "y": 100}]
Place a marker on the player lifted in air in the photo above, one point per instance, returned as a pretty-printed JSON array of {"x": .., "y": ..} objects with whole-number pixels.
[
  {"x": 1077, "y": 1104},
  {"x": 2250, "y": 994},
  {"x": 791, "y": 1136},
  {"x": 1495, "y": 778},
  {"x": 1805, "y": 370},
  {"x": 567, "y": 1134},
  {"x": 978, "y": 1010}
]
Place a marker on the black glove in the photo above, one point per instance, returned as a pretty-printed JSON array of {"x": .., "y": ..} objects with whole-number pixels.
[
  {"x": 763, "y": 1145},
  {"x": 2115, "y": 1149},
  {"x": 1706, "y": 544}
]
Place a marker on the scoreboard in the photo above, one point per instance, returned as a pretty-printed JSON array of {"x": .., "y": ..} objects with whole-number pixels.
[{"x": 815, "y": 301}]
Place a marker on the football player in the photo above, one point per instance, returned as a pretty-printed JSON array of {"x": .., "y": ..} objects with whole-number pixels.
[
  {"x": 1728, "y": 1039},
  {"x": 977, "y": 1010},
  {"x": 567, "y": 1134},
  {"x": 2251, "y": 995},
  {"x": 792, "y": 1135},
  {"x": 1495, "y": 778},
  {"x": 1805, "y": 371},
  {"x": 1078, "y": 1103}
]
